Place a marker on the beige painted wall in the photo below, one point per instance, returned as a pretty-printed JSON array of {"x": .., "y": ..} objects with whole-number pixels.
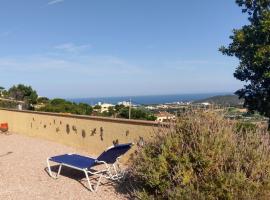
[{"x": 91, "y": 134}]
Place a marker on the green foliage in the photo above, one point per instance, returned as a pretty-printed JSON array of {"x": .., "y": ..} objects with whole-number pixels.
[
  {"x": 224, "y": 100},
  {"x": 203, "y": 157},
  {"x": 121, "y": 111},
  {"x": 111, "y": 112},
  {"x": 8, "y": 104},
  {"x": 232, "y": 110},
  {"x": 3, "y": 92},
  {"x": 251, "y": 45},
  {"x": 254, "y": 8},
  {"x": 118, "y": 108},
  {"x": 97, "y": 107},
  {"x": 2, "y": 89},
  {"x": 63, "y": 106},
  {"x": 23, "y": 93},
  {"x": 84, "y": 109},
  {"x": 57, "y": 102},
  {"x": 43, "y": 100},
  {"x": 246, "y": 127},
  {"x": 138, "y": 113}
]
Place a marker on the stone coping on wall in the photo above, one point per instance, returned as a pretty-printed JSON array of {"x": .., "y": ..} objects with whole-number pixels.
[{"x": 105, "y": 119}]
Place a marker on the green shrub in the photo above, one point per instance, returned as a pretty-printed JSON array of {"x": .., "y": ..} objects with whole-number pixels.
[
  {"x": 246, "y": 127},
  {"x": 204, "y": 156},
  {"x": 8, "y": 104},
  {"x": 136, "y": 113},
  {"x": 63, "y": 106}
]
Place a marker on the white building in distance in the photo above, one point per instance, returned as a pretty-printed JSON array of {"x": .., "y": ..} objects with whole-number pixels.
[
  {"x": 164, "y": 117},
  {"x": 124, "y": 103},
  {"x": 205, "y": 104},
  {"x": 104, "y": 106}
]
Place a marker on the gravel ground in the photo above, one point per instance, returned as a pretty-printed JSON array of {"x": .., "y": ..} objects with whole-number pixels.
[{"x": 23, "y": 174}]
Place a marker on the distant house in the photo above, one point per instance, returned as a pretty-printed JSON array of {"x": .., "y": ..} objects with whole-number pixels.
[
  {"x": 38, "y": 106},
  {"x": 205, "y": 104},
  {"x": 124, "y": 103},
  {"x": 162, "y": 106},
  {"x": 164, "y": 117},
  {"x": 105, "y": 107},
  {"x": 150, "y": 107}
]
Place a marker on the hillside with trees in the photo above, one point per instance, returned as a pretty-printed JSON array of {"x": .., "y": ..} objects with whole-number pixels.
[
  {"x": 63, "y": 106},
  {"x": 28, "y": 98},
  {"x": 224, "y": 100}
]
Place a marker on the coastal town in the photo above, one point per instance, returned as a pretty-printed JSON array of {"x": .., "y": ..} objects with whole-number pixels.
[
  {"x": 231, "y": 107},
  {"x": 18, "y": 97}
]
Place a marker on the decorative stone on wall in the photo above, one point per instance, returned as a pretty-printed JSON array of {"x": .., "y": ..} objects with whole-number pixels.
[{"x": 67, "y": 129}]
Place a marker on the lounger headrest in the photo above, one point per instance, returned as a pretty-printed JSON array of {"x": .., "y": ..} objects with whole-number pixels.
[{"x": 112, "y": 153}]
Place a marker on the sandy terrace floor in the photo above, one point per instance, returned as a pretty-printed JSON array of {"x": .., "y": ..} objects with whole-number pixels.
[{"x": 23, "y": 174}]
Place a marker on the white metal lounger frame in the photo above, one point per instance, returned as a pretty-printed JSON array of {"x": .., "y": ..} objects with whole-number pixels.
[
  {"x": 112, "y": 171},
  {"x": 85, "y": 170}
]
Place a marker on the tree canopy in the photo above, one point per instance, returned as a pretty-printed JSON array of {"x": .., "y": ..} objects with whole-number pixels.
[
  {"x": 31, "y": 101},
  {"x": 22, "y": 92},
  {"x": 64, "y": 106},
  {"x": 136, "y": 113},
  {"x": 251, "y": 45}
]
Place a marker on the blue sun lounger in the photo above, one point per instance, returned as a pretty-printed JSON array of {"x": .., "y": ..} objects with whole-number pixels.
[{"x": 109, "y": 158}]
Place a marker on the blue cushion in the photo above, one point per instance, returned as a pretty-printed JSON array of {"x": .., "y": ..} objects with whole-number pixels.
[
  {"x": 111, "y": 154},
  {"x": 75, "y": 160}
]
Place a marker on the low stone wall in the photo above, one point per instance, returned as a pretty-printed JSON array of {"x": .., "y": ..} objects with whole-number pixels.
[{"x": 91, "y": 134}]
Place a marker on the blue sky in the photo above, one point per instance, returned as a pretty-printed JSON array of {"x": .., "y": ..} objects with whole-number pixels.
[{"x": 89, "y": 48}]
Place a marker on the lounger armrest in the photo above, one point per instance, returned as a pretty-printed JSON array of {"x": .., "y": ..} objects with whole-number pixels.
[
  {"x": 118, "y": 158},
  {"x": 101, "y": 162}
]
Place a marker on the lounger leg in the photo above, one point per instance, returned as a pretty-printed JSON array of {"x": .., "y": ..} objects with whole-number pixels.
[
  {"x": 59, "y": 170},
  {"x": 112, "y": 172},
  {"x": 116, "y": 173},
  {"x": 49, "y": 168},
  {"x": 89, "y": 183},
  {"x": 99, "y": 179},
  {"x": 108, "y": 172},
  {"x": 50, "y": 171}
]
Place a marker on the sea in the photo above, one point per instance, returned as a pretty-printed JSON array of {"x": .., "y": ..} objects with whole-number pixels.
[{"x": 148, "y": 99}]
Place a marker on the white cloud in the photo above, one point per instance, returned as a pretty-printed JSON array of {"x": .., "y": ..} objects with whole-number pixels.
[
  {"x": 52, "y": 2},
  {"x": 72, "y": 48},
  {"x": 83, "y": 65},
  {"x": 70, "y": 58}
]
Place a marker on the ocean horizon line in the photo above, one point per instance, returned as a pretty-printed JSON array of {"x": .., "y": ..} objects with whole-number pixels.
[
  {"x": 146, "y": 95},
  {"x": 148, "y": 99}
]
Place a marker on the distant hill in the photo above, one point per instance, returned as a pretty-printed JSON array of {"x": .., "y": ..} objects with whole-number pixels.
[{"x": 224, "y": 100}]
